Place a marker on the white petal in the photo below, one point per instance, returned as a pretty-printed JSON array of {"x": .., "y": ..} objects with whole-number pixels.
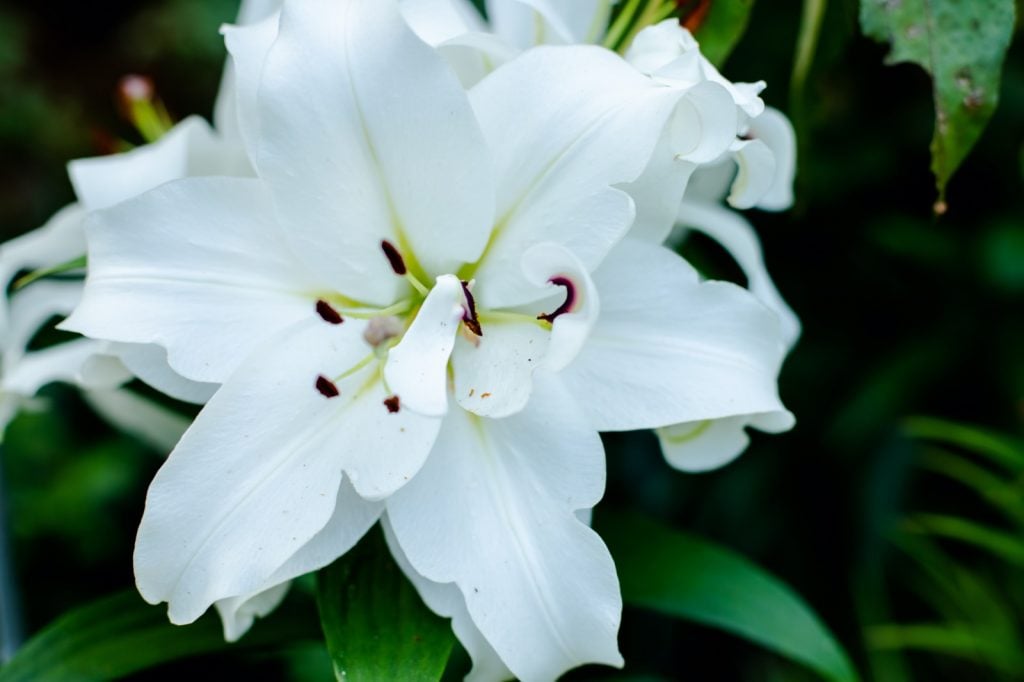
[
  {"x": 739, "y": 238},
  {"x": 60, "y": 240},
  {"x": 417, "y": 368},
  {"x": 256, "y": 477},
  {"x": 668, "y": 348},
  {"x": 197, "y": 266},
  {"x": 704, "y": 123},
  {"x": 472, "y": 56},
  {"x": 225, "y": 108},
  {"x": 148, "y": 362},
  {"x": 31, "y": 308},
  {"x": 367, "y": 135},
  {"x": 352, "y": 517},
  {"x": 527, "y": 23},
  {"x": 150, "y": 422},
  {"x": 658, "y": 192},
  {"x": 248, "y": 45},
  {"x": 583, "y": 120},
  {"x": 492, "y": 511},
  {"x": 446, "y": 601},
  {"x": 774, "y": 129},
  {"x": 754, "y": 175},
  {"x": 493, "y": 374},
  {"x": 238, "y": 614},
  {"x": 706, "y": 445},
  {"x": 436, "y": 21},
  {"x": 659, "y": 47},
  {"x": 81, "y": 362},
  {"x": 189, "y": 149},
  {"x": 555, "y": 266}
]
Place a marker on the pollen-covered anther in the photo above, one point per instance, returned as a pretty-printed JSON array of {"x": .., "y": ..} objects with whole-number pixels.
[
  {"x": 327, "y": 388},
  {"x": 469, "y": 317},
  {"x": 394, "y": 257},
  {"x": 382, "y": 329},
  {"x": 328, "y": 313},
  {"x": 393, "y": 404},
  {"x": 570, "y": 298}
]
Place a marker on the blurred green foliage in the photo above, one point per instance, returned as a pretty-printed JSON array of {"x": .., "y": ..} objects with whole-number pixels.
[{"x": 904, "y": 313}]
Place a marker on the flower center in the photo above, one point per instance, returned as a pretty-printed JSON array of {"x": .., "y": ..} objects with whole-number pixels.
[{"x": 419, "y": 329}]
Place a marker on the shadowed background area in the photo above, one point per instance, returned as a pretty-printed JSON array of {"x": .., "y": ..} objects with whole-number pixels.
[{"x": 904, "y": 315}]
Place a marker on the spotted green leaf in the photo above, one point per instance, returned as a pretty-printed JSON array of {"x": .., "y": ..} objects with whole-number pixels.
[{"x": 962, "y": 45}]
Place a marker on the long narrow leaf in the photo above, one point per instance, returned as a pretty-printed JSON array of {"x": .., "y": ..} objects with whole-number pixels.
[
  {"x": 120, "y": 635},
  {"x": 693, "y": 579}
]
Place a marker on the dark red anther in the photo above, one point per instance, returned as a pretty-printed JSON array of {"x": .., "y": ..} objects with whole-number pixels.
[
  {"x": 326, "y": 311},
  {"x": 570, "y": 299},
  {"x": 395, "y": 258},
  {"x": 392, "y": 403},
  {"x": 327, "y": 388},
  {"x": 469, "y": 317}
]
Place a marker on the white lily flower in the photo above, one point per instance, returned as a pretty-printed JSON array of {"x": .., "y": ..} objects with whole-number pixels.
[
  {"x": 721, "y": 140},
  {"x": 405, "y": 245}
]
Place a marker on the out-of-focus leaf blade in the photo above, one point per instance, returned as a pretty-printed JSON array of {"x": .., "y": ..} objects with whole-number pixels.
[
  {"x": 1001, "y": 494},
  {"x": 376, "y": 625},
  {"x": 1002, "y": 450},
  {"x": 120, "y": 635},
  {"x": 956, "y": 640},
  {"x": 1006, "y": 546},
  {"x": 722, "y": 27},
  {"x": 962, "y": 45},
  {"x": 691, "y": 578}
]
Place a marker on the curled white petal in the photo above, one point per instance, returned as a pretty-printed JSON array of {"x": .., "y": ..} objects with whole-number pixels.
[{"x": 416, "y": 368}]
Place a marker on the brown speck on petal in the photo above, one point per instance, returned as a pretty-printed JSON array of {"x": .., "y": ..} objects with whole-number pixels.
[
  {"x": 394, "y": 257},
  {"x": 392, "y": 403},
  {"x": 328, "y": 313},
  {"x": 327, "y": 388},
  {"x": 485, "y": 395}
]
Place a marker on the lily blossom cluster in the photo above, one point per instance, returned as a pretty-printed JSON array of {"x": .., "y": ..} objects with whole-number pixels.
[{"x": 416, "y": 267}]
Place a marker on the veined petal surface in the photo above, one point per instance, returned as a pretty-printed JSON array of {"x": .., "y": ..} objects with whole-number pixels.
[
  {"x": 358, "y": 146},
  {"x": 668, "y": 348},
  {"x": 447, "y": 601},
  {"x": 257, "y": 476},
  {"x": 492, "y": 511},
  {"x": 584, "y": 120},
  {"x": 204, "y": 272}
]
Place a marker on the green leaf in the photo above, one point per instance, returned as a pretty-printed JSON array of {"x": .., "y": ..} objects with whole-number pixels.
[
  {"x": 962, "y": 45},
  {"x": 956, "y": 640},
  {"x": 691, "y": 578},
  {"x": 1006, "y": 546},
  {"x": 1002, "y": 450},
  {"x": 376, "y": 625},
  {"x": 806, "y": 44},
  {"x": 1002, "y": 494},
  {"x": 722, "y": 28},
  {"x": 120, "y": 635}
]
